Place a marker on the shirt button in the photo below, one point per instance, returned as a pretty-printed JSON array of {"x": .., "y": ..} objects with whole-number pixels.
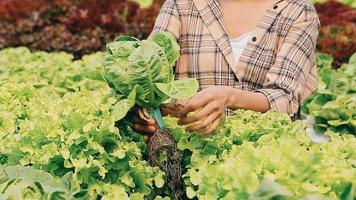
[
  {"x": 254, "y": 39},
  {"x": 275, "y": 7}
]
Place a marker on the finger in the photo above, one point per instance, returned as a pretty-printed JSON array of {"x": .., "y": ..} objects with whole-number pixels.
[
  {"x": 144, "y": 128},
  {"x": 169, "y": 109},
  {"x": 205, "y": 123},
  {"x": 194, "y": 104},
  {"x": 173, "y": 108},
  {"x": 165, "y": 111},
  {"x": 138, "y": 120},
  {"x": 181, "y": 102},
  {"x": 144, "y": 119},
  {"x": 213, "y": 127},
  {"x": 206, "y": 111},
  {"x": 146, "y": 137}
]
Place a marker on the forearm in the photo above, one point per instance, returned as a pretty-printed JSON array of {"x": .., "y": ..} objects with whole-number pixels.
[{"x": 240, "y": 99}]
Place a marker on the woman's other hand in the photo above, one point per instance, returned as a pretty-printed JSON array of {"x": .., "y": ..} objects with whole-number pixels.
[
  {"x": 210, "y": 105},
  {"x": 142, "y": 123}
]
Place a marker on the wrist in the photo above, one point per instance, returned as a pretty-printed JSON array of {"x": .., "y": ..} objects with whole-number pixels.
[{"x": 233, "y": 98}]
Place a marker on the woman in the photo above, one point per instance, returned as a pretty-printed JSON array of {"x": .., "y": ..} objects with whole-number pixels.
[{"x": 250, "y": 54}]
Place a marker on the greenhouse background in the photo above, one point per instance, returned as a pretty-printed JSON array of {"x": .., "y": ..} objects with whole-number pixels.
[{"x": 59, "y": 131}]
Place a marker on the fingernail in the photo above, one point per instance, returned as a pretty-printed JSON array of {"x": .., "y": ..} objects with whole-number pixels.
[
  {"x": 153, "y": 129},
  {"x": 145, "y": 137},
  {"x": 206, "y": 133}
]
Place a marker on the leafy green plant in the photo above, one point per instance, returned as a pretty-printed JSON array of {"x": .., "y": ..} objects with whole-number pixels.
[
  {"x": 18, "y": 182},
  {"x": 74, "y": 133},
  {"x": 266, "y": 156},
  {"x": 52, "y": 70},
  {"x": 141, "y": 72},
  {"x": 333, "y": 105},
  {"x": 58, "y": 116},
  {"x": 144, "y": 3},
  {"x": 65, "y": 124}
]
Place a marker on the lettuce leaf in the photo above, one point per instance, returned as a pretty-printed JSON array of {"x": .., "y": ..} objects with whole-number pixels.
[
  {"x": 19, "y": 182},
  {"x": 333, "y": 105},
  {"x": 145, "y": 68}
]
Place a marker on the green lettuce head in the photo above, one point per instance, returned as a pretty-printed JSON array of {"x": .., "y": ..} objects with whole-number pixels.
[{"x": 141, "y": 72}]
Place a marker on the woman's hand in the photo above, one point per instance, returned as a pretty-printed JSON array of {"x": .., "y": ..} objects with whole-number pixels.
[
  {"x": 145, "y": 125},
  {"x": 211, "y": 104}
]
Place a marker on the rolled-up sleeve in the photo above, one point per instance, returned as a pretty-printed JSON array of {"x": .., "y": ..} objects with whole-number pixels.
[
  {"x": 168, "y": 19},
  {"x": 288, "y": 80}
]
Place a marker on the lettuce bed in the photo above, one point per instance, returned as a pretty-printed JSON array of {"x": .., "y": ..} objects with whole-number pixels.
[
  {"x": 333, "y": 106},
  {"x": 266, "y": 156},
  {"x": 56, "y": 115}
]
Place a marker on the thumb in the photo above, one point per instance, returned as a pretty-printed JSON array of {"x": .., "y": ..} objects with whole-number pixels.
[{"x": 171, "y": 109}]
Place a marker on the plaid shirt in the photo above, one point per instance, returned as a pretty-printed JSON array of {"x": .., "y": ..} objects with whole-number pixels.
[{"x": 278, "y": 61}]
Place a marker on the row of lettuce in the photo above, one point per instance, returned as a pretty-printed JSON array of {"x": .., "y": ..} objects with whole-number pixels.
[
  {"x": 55, "y": 115},
  {"x": 59, "y": 140},
  {"x": 333, "y": 105}
]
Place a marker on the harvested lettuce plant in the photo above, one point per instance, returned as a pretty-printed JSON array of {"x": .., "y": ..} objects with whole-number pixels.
[{"x": 141, "y": 73}]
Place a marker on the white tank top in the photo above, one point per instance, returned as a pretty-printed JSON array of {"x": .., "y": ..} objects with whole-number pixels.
[{"x": 239, "y": 44}]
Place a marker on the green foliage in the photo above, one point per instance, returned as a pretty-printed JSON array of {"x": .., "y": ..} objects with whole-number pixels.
[
  {"x": 144, "y": 3},
  {"x": 67, "y": 125},
  {"x": 58, "y": 116},
  {"x": 18, "y": 182},
  {"x": 333, "y": 105},
  {"x": 266, "y": 156},
  {"x": 56, "y": 71},
  {"x": 143, "y": 71}
]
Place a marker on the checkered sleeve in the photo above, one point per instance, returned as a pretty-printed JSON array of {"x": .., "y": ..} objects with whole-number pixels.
[
  {"x": 286, "y": 80},
  {"x": 168, "y": 19}
]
